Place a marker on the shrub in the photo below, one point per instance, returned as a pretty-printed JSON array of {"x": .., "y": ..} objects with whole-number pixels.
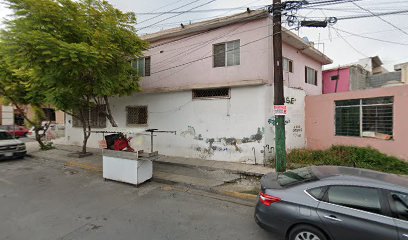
[{"x": 350, "y": 156}]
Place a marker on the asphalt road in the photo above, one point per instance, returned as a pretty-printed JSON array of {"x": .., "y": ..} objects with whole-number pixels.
[{"x": 44, "y": 200}]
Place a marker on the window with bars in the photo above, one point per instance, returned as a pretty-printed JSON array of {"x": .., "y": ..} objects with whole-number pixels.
[
  {"x": 96, "y": 115},
  {"x": 287, "y": 65},
  {"x": 142, "y": 65},
  {"x": 226, "y": 54},
  {"x": 370, "y": 117},
  {"x": 211, "y": 93},
  {"x": 136, "y": 115},
  {"x": 310, "y": 76}
]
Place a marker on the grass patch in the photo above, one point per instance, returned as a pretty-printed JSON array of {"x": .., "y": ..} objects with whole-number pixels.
[{"x": 349, "y": 156}]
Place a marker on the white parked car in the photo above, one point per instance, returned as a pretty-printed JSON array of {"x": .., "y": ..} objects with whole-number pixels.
[{"x": 10, "y": 147}]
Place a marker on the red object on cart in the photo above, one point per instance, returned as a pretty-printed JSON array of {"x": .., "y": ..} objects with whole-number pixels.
[{"x": 122, "y": 144}]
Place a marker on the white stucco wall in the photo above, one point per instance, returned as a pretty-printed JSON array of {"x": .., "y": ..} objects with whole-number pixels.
[
  {"x": 7, "y": 115},
  {"x": 295, "y": 121},
  {"x": 244, "y": 119},
  {"x": 239, "y": 119}
]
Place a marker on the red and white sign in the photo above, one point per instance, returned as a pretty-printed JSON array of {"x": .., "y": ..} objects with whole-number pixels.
[{"x": 280, "y": 110}]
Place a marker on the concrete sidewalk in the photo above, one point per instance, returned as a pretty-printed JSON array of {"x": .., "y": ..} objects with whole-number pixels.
[
  {"x": 236, "y": 180},
  {"x": 95, "y": 161}
]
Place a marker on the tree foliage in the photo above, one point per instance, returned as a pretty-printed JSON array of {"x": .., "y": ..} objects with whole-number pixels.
[{"x": 79, "y": 51}]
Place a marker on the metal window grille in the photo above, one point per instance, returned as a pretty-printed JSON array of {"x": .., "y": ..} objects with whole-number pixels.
[
  {"x": 287, "y": 65},
  {"x": 365, "y": 117},
  {"x": 211, "y": 93},
  {"x": 227, "y": 54},
  {"x": 310, "y": 76},
  {"x": 136, "y": 115},
  {"x": 95, "y": 114}
]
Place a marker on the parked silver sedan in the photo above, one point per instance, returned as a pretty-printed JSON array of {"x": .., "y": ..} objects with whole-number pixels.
[{"x": 334, "y": 203}]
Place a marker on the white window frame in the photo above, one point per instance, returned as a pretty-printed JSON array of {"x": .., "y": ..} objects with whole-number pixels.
[
  {"x": 286, "y": 65},
  {"x": 136, "y": 65},
  {"x": 315, "y": 75},
  {"x": 235, "y": 53},
  {"x": 362, "y": 120}
]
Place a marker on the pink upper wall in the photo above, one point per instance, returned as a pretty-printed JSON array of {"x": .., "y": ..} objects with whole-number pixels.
[
  {"x": 343, "y": 85},
  {"x": 256, "y": 60},
  {"x": 320, "y": 124},
  {"x": 297, "y": 78}
]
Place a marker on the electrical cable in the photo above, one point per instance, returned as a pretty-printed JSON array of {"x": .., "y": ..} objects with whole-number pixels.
[
  {"x": 185, "y": 5},
  {"x": 371, "y": 38},
  {"x": 367, "y": 10},
  {"x": 203, "y": 58},
  {"x": 206, "y": 3}
]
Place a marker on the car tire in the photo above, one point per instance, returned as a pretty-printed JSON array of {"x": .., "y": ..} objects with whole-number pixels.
[{"x": 306, "y": 232}]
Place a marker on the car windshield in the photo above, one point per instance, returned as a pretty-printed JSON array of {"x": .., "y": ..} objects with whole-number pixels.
[
  {"x": 5, "y": 136},
  {"x": 296, "y": 176}
]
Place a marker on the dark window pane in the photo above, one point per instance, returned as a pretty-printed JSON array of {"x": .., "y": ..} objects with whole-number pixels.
[
  {"x": 296, "y": 176},
  {"x": 351, "y": 102},
  {"x": 316, "y": 192},
  {"x": 147, "y": 66},
  {"x": 335, "y": 77},
  {"x": 219, "y": 55},
  {"x": 366, "y": 199},
  {"x": 400, "y": 202},
  {"x": 380, "y": 100},
  {"x": 347, "y": 121}
]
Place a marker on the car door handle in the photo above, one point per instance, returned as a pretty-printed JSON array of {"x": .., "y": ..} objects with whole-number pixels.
[{"x": 334, "y": 218}]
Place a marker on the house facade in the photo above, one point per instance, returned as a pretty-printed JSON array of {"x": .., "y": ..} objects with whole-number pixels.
[
  {"x": 212, "y": 84},
  {"x": 365, "y": 74},
  {"x": 374, "y": 118}
]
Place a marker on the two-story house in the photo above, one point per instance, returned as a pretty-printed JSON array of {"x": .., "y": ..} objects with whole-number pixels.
[{"x": 212, "y": 83}]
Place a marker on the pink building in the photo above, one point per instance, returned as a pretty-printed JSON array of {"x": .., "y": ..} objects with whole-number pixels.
[
  {"x": 375, "y": 117},
  {"x": 344, "y": 79},
  {"x": 212, "y": 83}
]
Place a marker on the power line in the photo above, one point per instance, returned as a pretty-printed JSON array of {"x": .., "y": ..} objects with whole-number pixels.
[
  {"x": 367, "y": 10},
  {"x": 203, "y": 58},
  {"x": 371, "y": 38},
  {"x": 185, "y": 5},
  {"x": 179, "y": 14},
  {"x": 348, "y": 43}
]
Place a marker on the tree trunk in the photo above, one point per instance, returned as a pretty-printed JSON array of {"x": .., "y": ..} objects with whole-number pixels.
[
  {"x": 109, "y": 115},
  {"x": 38, "y": 138},
  {"x": 86, "y": 137}
]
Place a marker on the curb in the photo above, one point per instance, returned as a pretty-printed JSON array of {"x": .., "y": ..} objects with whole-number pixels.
[
  {"x": 212, "y": 168},
  {"x": 243, "y": 196}
]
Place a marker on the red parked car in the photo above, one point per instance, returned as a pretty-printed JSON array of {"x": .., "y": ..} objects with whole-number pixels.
[{"x": 16, "y": 131}]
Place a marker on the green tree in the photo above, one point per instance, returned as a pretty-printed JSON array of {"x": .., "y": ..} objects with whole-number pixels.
[
  {"x": 80, "y": 51},
  {"x": 17, "y": 88}
]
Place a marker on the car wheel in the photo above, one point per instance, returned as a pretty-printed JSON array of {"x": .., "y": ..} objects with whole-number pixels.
[{"x": 306, "y": 232}]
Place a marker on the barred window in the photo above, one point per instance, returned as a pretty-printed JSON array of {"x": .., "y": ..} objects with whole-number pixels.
[
  {"x": 142, "y": 65},
  {"x": 310, "y": 76},
  {"x": 211, "y": 93},
  {"x": 371, "y": 117},
  {"x": 136, "y": 115},
  {"x": 226, "y": 54},
  {"x": 287, "y": 65},
  {"x": 96, "y": 115}
]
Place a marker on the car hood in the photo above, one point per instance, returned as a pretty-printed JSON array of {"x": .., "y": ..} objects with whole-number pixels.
[{"x": 10, "y": 142}]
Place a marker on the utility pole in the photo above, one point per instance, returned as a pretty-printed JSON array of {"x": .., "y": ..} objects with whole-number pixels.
[{"x": 279, "y": 100}]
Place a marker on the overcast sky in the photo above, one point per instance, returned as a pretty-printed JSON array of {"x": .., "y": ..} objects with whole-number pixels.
[{"x": 336, "y": 43}]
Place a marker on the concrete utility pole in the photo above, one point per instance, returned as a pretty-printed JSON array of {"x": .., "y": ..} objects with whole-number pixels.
[{"x": 280, "y": 139}]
